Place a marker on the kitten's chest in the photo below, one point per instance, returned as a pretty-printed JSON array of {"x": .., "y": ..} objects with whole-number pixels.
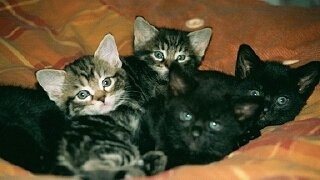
[
  {"x": 97, "y": 142},
  {"x": 145, "y": 79}
]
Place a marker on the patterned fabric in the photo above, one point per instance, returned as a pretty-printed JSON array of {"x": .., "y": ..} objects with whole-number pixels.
[{"x": 36, "y": 34}]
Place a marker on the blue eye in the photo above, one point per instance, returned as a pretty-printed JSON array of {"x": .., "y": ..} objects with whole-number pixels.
[
  {"x": 106, "y": 82},
  {"x": 158, "y": 55},
  {"x": 254, "y": 93},
  {"x": 83, "y": 94},
  {"x": 181, "y": 57},
  {"x": 185, "y": 116},
  {"x": 215, "y": 126},
  {"x": 282, "y": 100}
]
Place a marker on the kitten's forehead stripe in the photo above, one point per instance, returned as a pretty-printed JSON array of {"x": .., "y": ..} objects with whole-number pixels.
[
  {"x": 83, "y": 81},
  {"x": 81, "y": 67}
]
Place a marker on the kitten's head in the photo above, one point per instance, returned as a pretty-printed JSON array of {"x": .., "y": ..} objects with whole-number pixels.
[
  {"x": 159, "y": 47},
  {"x": 201, "y": 121},
  {"x": 91, "y": 85},
  {"x": 284, "y": 89}
]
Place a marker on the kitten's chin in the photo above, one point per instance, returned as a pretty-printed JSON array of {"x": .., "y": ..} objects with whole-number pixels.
[
  {"x": 263, "y": 121},
  {"x": 193, "y": 146},
  {"x": 196, "y": 148},
  {"x": 98, "y": 109},
  {"x": 105, "y": 109}
]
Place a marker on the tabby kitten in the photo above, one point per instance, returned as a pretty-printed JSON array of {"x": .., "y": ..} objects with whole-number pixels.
[
  {"x": 103, "y": 112},
  {"x": 91, "y": 85},
  {"x": 284, "y": 89},
  {"x": 156, "y": 48},
  {"x": 200, "y": 121}
]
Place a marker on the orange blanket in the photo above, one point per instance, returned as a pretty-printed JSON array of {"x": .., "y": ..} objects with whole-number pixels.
[{"x": 37, "y": 34}]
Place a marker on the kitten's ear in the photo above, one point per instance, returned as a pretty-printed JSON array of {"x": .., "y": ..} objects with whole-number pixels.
[
  {"x": 143, "y": 32},
  {"x": 52, "y": 80},
  {"x": 308, "y": 77},
  {"x": 200, "y": 39},
  {"x": 246, "y": 61},
  {"x": 179, "y": 81},
  {"x": 248, "y": 107},
  {"x": 107, "y": 51}
]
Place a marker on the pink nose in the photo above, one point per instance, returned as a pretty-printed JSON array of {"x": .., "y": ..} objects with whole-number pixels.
[{"x": 100, "y": 96}]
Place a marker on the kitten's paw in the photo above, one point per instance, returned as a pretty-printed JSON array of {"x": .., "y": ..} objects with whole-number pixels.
[
  {"x": 120, "y": 174},
  {"x": 154, "y": 162}
]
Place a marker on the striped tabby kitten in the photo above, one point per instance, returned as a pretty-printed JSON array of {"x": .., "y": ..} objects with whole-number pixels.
[
  {"x": 103, "y": 112},
  {"x": 159, "y": 47},
  {"x": 156, "y": 48}
]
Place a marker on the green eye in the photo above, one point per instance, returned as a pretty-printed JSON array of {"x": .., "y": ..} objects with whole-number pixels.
[
  {"x": 282, "y": 100},
  {"x": 158, "y": 55},
  {"x": 83, "y": 94},
  {"x": 215, "y": 126},
  {"x": 181, "y": 57},
  {"x": 254, "y": 93},
  {"x": 185, "y": 116},
  {"x": 106, "y": 82}
]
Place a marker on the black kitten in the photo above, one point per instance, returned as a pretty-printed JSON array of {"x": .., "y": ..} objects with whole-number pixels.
[
  {"x": 30, "y": 126},
  {"x": 200, "y": 121},
  {"x": 284, "y": 89}
]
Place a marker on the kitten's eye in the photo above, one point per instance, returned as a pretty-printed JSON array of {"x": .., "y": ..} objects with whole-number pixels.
[
  {"x": 181, "y": 57},
  {"x": 254, "y": 93},
  {"x": 282, "y": 100},
  {"x": 106, "y": 82},
  {"x": 185, "y": 116},
  {"x": 215, "y": 126},
  {"x": 83, "y": 94},
  {"x": 158, "y": 55}
]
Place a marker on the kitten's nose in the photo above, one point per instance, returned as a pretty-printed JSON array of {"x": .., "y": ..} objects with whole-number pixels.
[
  {"x": 168, "y": 62},
  {"x": 196, "y": 132},
  {"x": 100, "y": 96}
]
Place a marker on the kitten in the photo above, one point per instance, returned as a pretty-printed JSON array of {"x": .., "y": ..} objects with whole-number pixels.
[
  {"x": 30, "y": 126},
  {"x": 200, "y": 121},
  {"x": 284, "y": 89},
  {"x": 156, "y": 48},
  {"x": 103, "y": 111}
]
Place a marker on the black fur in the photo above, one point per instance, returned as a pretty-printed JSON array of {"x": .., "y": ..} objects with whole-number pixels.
[
  {"x": 284, "y": 89},
  {"x": 30, "y": 125},
  {"x": 208, "y": 99}
]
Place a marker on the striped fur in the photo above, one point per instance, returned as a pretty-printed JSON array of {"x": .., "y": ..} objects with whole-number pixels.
[
  {"x": 92, "y": 143},
  {"x": 156, "y": 48},
  {"x": 103, "y": 108},
  {"x": 159, "y": 47}
]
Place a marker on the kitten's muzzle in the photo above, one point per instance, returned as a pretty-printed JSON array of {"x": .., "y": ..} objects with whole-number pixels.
[
  {"x": 196, "y": 132},
  {"x": 100, "y": 96}
]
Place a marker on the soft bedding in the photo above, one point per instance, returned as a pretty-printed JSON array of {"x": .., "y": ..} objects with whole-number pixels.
[{"x": 38, "y": 34}]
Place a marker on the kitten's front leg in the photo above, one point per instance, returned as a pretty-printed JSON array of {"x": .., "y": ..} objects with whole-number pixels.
[
  {"x": 154, "y": 162},
  {"x": 119, "y": 173},
  {"x": 62, "y": 170}
]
